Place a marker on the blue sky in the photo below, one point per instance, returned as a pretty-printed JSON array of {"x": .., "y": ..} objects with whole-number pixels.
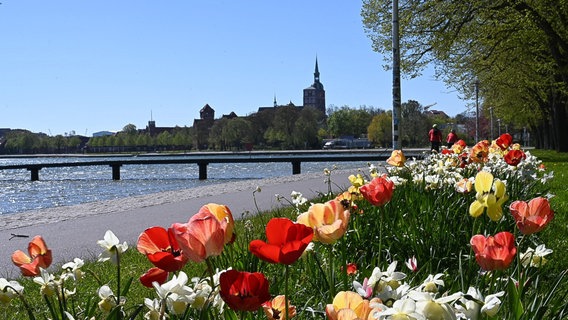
[{"x": 89, "y": 66}]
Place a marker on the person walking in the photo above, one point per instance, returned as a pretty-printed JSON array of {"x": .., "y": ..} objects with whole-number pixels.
[
  {"x": 452, "y": 138},
  {"x": 435, "y": 136}
]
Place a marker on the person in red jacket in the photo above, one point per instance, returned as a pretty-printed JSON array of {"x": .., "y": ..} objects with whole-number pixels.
[
  {"x": 452, "y": 138},
  {"x": 435, "y": 136}
]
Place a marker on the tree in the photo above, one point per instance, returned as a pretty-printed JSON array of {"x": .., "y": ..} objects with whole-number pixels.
[
  {"x": 280, "y": 133},
  {"x": 306, "y": 129},
  {"x": 237, "y": 132},
  {"x": 349, "y": 122},
  {"x": 518, "y": 50},
  {"x": 379, "y": 131},
  {"x": 129, "y": 129}
]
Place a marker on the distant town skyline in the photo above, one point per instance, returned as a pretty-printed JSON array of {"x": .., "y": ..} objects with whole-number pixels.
[{"x": 97, "y": 66}]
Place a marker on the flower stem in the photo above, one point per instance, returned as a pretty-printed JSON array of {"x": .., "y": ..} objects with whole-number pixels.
[{"x": 286, "y": 301}]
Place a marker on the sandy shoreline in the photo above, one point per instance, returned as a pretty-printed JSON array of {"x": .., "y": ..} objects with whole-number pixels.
[{"x": 72, "y": 231}]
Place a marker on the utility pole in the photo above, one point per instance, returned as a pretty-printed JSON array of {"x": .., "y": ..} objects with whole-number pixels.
[{"x": 396, "y": 101}]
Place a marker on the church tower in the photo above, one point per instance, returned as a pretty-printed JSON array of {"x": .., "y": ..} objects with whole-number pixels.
[{"x": 314, "y": 96}]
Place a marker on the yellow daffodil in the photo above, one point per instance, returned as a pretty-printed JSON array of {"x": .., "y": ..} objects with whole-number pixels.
[
  {"x": 356, "y": 180},
  {"x": 485, "y": 198}
]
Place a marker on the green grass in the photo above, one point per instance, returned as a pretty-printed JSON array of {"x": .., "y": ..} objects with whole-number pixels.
[{"x": 434, "y": 226}]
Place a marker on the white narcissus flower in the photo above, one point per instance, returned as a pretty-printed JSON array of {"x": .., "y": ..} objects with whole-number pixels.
[
  {"x": 73, "y": 269},
  {"x": 47, "y": 282},
  {"x": 112, "y": 247},
  {"x": 9, "y": 290},
  {"x": 432, "y": 282},
  {"x": 107, "y": 297},
  {"x": 535, "y": 257},
  {"x": 154, "y": 307},
  {"x": 402, "y": 309},
  {"x": 492, "y": 304},
  {"x": 435, "y": 308}
]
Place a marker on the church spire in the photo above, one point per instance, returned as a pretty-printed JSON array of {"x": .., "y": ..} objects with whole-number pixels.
[{"x": 316, "y": 73}]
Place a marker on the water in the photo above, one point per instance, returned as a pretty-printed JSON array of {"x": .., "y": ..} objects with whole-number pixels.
[{"x": 75, "y": 185}]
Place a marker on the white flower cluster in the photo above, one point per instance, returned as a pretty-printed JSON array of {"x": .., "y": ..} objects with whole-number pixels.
[
  {"x": 176, "y": 296},
  {"x": 446, "y": 170},
  {"x": 400, "y": 301}
]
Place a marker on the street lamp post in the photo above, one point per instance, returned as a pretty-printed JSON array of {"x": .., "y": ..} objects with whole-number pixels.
[
  {"x": 491, "y": 122},
  {"x": 476, "y": 83},
  {"x": 499, "y": 125}
]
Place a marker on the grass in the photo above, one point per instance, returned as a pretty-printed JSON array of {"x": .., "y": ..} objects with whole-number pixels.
[{"x": 433, "y": 226}]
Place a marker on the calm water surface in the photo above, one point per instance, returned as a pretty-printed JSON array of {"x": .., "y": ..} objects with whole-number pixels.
[{"x": 75, "y": 185}]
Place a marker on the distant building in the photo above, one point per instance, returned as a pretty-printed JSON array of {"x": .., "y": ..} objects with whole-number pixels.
[
  {"x": 314, "y": 95},
  {"x": 436, "y": 113},
  {"x": 103, "y": 133},
  {"x": 202, "y": 126}
]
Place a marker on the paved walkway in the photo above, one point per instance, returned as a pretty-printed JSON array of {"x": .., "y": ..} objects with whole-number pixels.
[{"x": 76, "y": 235}]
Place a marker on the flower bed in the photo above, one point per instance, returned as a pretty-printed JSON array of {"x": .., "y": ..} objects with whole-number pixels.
[{"x": 454, "y": 236}]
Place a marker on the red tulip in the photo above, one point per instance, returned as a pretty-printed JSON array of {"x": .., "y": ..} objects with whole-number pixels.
[
  {"x": 533, "y": 216},
  {"x": 201, "y": 237},
  {"x": 243, "y": 291},
  {"x": 161, "y": 248},
  {"x": 494, "y": 253},
  {"x": 379, "y": 191},
  {"x": 504, "y": 141},
  {"x": 154, "y": 275},
  {"x": 514, "y": 157},
  {"x": 285, "y": 241},
  {"x": 40, "y": 257}
]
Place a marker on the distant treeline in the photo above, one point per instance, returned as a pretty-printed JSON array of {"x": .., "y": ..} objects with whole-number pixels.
[{"x": 282, "y": 128}]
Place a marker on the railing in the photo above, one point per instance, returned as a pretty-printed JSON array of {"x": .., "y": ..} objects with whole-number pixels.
[{"x": 203, "y": 160}]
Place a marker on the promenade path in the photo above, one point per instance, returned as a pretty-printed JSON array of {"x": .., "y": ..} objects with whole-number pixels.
[{"x": 73, "y": 231}]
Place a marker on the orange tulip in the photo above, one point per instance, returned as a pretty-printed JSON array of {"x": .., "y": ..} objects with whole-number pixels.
[
  {"x": 275, "y": 308},
  {"x": 225, "y": 217},
  {"x": 494, "y": 252},
  {"x": 348, "y": 305},
  {"x": 480, "y": 152},
  {"x": 329, "y": 220},
  {"x": 201, "y": 237},
  {"x": 533, "y": 216},
  {"x": 40, "y": 257},
  {"x": 397, "y": 158}
]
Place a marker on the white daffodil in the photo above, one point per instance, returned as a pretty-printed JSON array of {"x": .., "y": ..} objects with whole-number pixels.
[
  {"x": 435, "y": 308},
  {"x": 73, "y": 269},
  {"x": 535, "y": 257},
  {"x": 401, "y": 309},
  {"x": 390, "y": 277},
  {"x": 108, "y": 300},
  {"x": 112, "y": 247},
  {"x": 432, "y": 282},
  {"x": 47, "y": 282},
  {"x": 175, "y": 285},
  {"x": 492, "y": 303},
  {"x": 154, "y": 309},
  {"x": 8, "y": 291}
]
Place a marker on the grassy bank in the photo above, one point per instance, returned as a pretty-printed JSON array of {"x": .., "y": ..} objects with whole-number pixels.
[{"x": 424, "y": 219}]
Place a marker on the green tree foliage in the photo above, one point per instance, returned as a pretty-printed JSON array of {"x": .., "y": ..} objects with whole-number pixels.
[
  {"x": 379, "y": 131},
  {"x": 345, "y": 121},
  {"x": 414, "y": 124},
  {"x": 237, "y": 132},
  {"x": 518, "y": 50},
  {"x": 306, "y": 129}
]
